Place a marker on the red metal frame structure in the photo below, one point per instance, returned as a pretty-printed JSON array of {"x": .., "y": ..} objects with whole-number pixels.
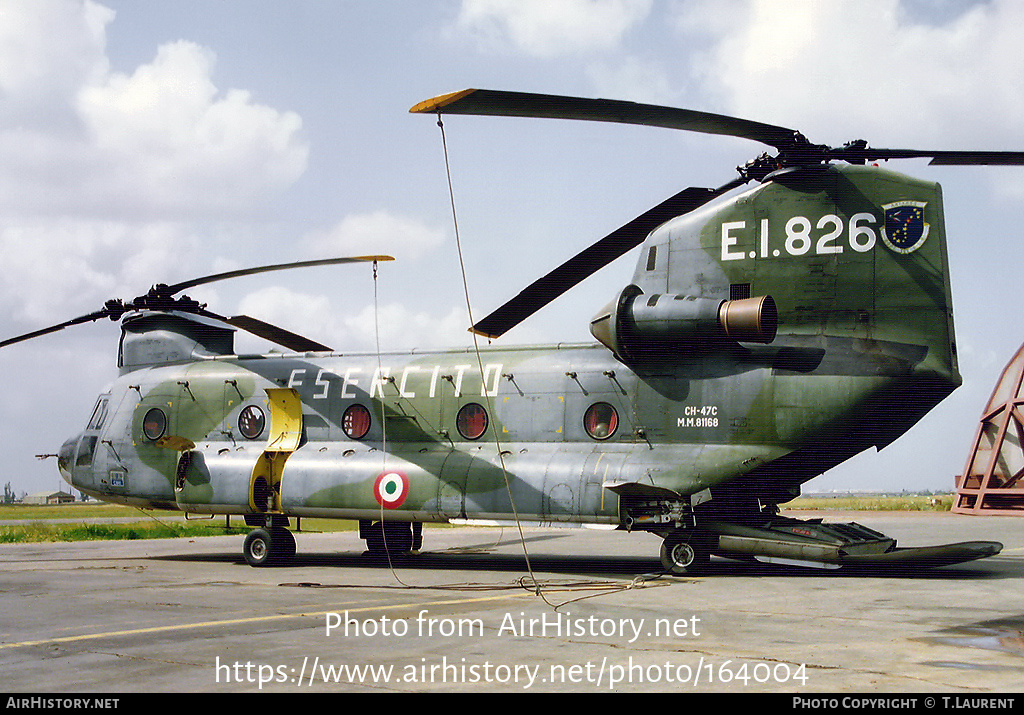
[{"x": 993, "y": 479}]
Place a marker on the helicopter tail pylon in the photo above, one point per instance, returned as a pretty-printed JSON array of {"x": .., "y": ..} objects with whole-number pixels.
[{"x": 793, "y": 151}]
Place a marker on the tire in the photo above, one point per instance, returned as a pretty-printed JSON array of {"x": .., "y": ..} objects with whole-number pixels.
[
  {"x": 417, "y": 536},
  {"x": 398, "y": 537},
  {"x": 389, "y": 537},
  {"x": 258, "y": 548},
  {"x": 684, "y": 552},
  {"x": 268, "y": 547},
  {"x": 283, "y": 544},
  {"x": 373, "y": 535}
]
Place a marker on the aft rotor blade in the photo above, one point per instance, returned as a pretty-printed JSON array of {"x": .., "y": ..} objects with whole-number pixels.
[
  {"x": 523, "y": 104},
  {"x": 947, "y": 158},
  {"x": 591, "y": 259},
  {"x": 970, "y": 158},
  {"x": 178, "y": 287},
  {"x": 275, "y": 334}
]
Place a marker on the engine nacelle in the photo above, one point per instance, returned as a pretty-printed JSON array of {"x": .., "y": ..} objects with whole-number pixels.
[
  {"x": 154, "y": 338},
  {"x": 637, "y": 327}
]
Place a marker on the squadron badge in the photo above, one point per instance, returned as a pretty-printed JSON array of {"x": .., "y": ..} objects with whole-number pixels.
[{"x": 904, "y": 230}]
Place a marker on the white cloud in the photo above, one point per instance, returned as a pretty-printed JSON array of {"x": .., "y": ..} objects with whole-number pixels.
[
  {"x": 104, "y": 175},
  {"x": 634, "y": 79},
  {"x": 828, "y": 67},
  {"x": 48, "y": 49},
  {"x": 303, "y": 313},
  {"x": 550, "y": 28},
  {"x": 53, "y": 268},
  {"x": 173, "y": 138},
  {"x": 397, "y": 326},
  {"x": 378, "y": 232},
  {"x": 401, "y": 328},
  {"x": 78, "y": 138}
]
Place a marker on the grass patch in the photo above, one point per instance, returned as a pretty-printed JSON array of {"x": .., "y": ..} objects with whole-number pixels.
[
  {"x": 87, "y": 510},
  {"x": 42, "y": 528},
  {"x": 317, "y": 525},
  {"x": 88, "y": 524},
  {"x": 37, "y": 532},
  {"x": 884, "y": 502}
]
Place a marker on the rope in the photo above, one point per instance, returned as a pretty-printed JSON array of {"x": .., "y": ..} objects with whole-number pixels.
[
  {"x": 599, "y": 588},
  {"x": 480, "y": 364},
  {"x": 383, "y": 426},
  {"x": 529, "y": 582}
]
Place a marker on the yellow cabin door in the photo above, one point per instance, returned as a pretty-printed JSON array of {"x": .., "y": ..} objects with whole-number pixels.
[{"x": 284, "y": 438}]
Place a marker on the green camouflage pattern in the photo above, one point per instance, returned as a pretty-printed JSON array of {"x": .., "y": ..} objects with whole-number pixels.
[{"x": 854, "y": 258}]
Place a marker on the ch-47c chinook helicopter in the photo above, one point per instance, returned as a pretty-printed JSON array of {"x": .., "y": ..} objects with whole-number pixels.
[{"x": 767, "y": 336}]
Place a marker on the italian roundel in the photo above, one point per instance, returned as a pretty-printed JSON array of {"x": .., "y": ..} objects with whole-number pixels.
[{"x": 391, "y": 489}]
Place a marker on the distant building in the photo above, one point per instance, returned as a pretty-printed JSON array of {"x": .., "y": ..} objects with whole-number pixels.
[{"x": 49, "y": 498}]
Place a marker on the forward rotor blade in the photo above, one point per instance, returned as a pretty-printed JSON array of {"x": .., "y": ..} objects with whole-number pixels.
[
  {"x": 259, "y": 328},
  {"x": 275, "y": 334},
  {"x": 178, "y": 287},
  {"x": 523, "y": 104},
  {"x": 591, "y": 259},
  {"x": 160, "y": 298},
  {"x": 60, "y": 326}
]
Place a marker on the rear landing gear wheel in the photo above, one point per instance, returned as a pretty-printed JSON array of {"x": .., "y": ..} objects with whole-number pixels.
[
  {"x": 684, "y": 552},
  {"x": 398, "y": 536},
  {"x": 391, "y": 537}
]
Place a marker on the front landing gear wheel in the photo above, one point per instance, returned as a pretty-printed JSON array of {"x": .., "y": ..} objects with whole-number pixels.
[
  {"x": 257, "y": 547},
  {"x": 265, "y": 547},
  {"x": 684, "y": 552},
  {"x": 282, "y": 544}
]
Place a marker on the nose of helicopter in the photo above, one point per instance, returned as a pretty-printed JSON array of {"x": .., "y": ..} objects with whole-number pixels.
[{"x": 66, "y": 458}]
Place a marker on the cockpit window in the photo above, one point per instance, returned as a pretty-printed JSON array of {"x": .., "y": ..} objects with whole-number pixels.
[
  {"x": 99, "y": 415},
  {"x": 85, "y": 450}
]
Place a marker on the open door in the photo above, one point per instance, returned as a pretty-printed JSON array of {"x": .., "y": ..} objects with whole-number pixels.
[{"x": 284, "y": 438}]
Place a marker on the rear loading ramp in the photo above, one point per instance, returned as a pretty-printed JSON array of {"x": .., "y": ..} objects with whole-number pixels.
[{"x": 817, "y": 544}]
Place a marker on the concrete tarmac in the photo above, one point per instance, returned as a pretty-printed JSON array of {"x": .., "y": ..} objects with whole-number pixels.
[{"x": 580, "y": 611}]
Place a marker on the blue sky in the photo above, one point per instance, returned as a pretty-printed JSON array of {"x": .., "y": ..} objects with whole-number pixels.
[{"x": 145, "y": 142}]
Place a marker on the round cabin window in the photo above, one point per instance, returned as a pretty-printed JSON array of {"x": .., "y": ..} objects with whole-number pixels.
[
  {"x": 356, "y": 421},
  {"x": 471, "y": 421},
  {"x": 601, "y": 420},
  {"x": 251, "y": 422},
  {"x": 154, "y": 424}
]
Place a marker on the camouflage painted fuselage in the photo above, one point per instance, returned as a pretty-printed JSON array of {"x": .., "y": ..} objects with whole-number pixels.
[{"x": 854, "y": 258}]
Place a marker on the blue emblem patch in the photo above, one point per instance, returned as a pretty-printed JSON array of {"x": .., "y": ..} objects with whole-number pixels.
[{"x": 905, "y": 230}]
